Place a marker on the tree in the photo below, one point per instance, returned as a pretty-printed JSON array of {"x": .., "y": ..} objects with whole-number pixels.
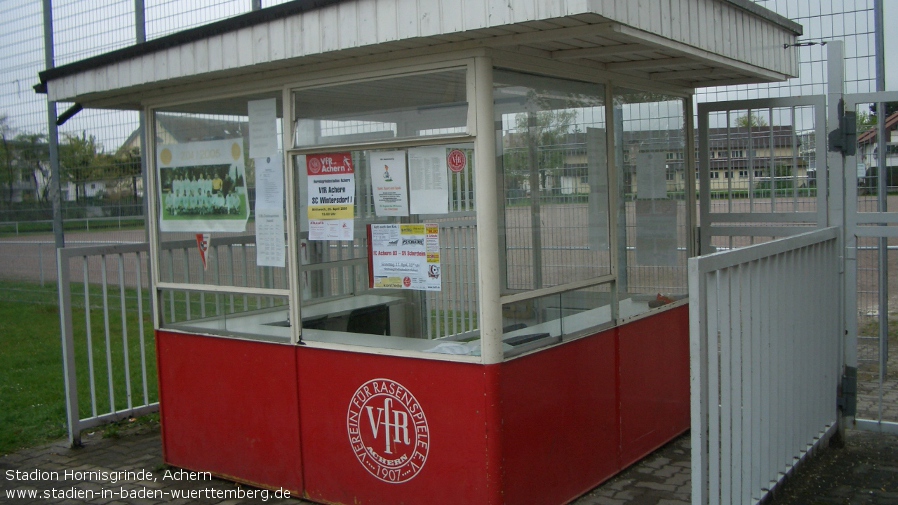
[
  {"x": 81, "y": 159},
  {"x": 6, "y": 157},
  {"x": 750, "y": 121},
  {"x": 891, "y": 108},
  {"x": 127, "y": 164},
  {"x": 865, "y": 121},
  {"x": 33, "y": 154},
  {"x": 539, "y": 142}
]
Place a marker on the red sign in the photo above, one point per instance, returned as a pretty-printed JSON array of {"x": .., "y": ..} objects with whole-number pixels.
[
  {"x": 457, "y": 160},
  {"x": 329, "y": 164}
]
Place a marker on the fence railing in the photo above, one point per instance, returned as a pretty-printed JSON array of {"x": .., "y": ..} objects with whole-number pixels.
[
  {"x": 114, "y": 329},
  {"x": 86, "y": 224},
  {"x": 764, "y": 324}
]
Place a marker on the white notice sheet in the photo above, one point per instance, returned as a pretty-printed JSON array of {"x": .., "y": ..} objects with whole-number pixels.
[
  {"x": 428, "y": 180},
  {"x": 270, "y": 212},
  {"x": 263, "y": 135},
  {"x": 388, "y": 183}
]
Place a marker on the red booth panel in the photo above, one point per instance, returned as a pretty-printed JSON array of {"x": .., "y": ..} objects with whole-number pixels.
[
  {"x": 452, "y": 399},
  {"x": 654, "y": 382},
  {"x": 230, "y": 407},
  {"x": 559, "y": 421}
]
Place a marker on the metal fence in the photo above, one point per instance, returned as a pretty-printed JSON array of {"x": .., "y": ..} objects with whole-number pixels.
[
  {"x": 764, "y": 351},
  {"x": 114, "y": 329},
  {"x": 852, "y": 22}
]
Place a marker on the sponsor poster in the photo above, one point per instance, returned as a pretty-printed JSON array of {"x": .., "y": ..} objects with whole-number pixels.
[
  {"x": 428, "y": 180},
  {"x": 270, "y": 212},
  {"x": 404, "y": 256},
  {"x": 388, "y": 183},
  {"x": 202, "y": 186},
  {"x": 331, "y": 196}
]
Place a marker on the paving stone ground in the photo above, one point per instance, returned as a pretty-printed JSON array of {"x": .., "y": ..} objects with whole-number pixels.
[{"x": 863, "y": 471}]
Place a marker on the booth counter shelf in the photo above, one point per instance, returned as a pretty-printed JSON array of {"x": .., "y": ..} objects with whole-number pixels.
[{"x": 273, "y": 325}]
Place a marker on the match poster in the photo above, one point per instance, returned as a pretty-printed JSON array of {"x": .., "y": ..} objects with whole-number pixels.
[{"x": 331, "y": 196}]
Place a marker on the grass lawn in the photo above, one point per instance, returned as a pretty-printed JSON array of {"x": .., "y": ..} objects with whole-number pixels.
[{"x": 32, "y": 391}]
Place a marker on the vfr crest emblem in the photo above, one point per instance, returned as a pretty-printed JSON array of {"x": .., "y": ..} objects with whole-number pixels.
[{"x": 388, "y": 430}]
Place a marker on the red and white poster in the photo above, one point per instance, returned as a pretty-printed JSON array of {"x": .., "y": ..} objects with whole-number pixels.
[{"x": 331, "y": 200}]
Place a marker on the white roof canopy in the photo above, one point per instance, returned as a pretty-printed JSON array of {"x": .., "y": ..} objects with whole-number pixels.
[{"x": 682, "y": 43}]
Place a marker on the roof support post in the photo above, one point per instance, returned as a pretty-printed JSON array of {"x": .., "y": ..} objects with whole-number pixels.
[{"x": 486, "y": 191}]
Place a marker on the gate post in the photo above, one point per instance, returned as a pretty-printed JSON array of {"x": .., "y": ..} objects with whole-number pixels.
[
  {"x": 837, "y": 202},
  {"x": 73, "y": 418}
]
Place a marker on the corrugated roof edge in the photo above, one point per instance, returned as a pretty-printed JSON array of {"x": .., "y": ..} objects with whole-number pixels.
[
  {"x": 769, "y": 15},
  {"x": 248, "y": 19},
  {"x": 275, "y": 12}
]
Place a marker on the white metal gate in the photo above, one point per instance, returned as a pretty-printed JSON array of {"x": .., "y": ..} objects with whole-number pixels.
[
  {"x": 843, "y": 166},
  {"x": 114, "y": 350},
  {"x": 765, "y": 311},
  {"x": 871, "y": 261},
  {"x": 758, "y": 176},
  {"x": 764, "y": 354}
]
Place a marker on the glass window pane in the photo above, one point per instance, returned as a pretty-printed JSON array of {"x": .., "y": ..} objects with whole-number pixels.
[
  {"x": 228, "y": 314},
  {"x": 553, "y": 163},
  {"x": 403, "y": 107},
  {"x": 338, "y": 275},
  {"x": 653, "y": 219},
  {"x": 537, "y": 322},
  {"x": 206, "y": 195}
]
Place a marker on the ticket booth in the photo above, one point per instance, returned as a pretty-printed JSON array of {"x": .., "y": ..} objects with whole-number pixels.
[{"x": 426, "y": 252}]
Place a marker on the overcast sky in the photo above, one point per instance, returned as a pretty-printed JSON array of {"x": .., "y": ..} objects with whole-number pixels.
[{"x": 82, "y": 30}]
